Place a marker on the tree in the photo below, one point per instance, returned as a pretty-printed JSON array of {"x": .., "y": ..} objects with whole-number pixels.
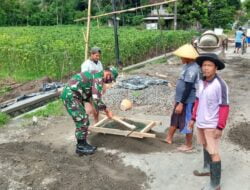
[
  {"x": 192, "y": 13},
  {"x": 220, "y": 14},
  {"x": 234, "y": 3},
  {"x": 246, "y": 5},
  {"x": 244, "y": 14}
]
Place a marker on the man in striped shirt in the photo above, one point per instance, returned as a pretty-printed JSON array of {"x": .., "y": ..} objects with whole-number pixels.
[{"x": 210, "y": 113}]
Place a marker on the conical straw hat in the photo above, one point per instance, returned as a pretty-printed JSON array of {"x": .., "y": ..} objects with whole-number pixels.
[{"x": 186, "y": 51}]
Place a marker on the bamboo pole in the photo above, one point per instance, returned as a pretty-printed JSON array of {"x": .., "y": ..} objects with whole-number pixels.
[
  {"x": 98, "y": 25},
  {"x": 175, "y": 15},
  {"x": 126, "y": 10},
  {"x": 88, "y": 31}
]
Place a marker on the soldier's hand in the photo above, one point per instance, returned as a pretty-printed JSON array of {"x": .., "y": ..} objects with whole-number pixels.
[{"x": 109, "y": 114}]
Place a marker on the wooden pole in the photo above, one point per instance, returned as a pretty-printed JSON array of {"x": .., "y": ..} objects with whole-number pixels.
[
  {"x": 88, "y": 31},
  {"x": 115, "y": 25},
  {"x": 175, "y": 15},
  {"x": 126, "y": 10},
  {"x": 98, "y": 25},
  {"x": 100, "y": 122}
]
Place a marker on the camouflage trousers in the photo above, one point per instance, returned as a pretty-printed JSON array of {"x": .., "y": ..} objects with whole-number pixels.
[{"x": 77, "y": 111}]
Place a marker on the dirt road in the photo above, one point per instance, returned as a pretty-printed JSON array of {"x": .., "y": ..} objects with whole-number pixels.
[{"x": 42, "y": 156}]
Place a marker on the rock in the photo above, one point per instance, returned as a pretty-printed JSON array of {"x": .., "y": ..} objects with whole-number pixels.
[
  {"x": 34, "y": 120},
  {"x": 126, "y": 105}
]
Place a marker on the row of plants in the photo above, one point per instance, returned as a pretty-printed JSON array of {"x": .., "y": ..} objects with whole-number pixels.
[{"x": 28, "y": 53}]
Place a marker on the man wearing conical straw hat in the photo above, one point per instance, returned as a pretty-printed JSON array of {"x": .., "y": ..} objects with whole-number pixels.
[{"x": 184, "y": 96}]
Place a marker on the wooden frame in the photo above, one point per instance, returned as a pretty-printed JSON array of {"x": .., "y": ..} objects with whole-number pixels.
[
  {"x": 99, "y": 128},
  {"x": 126, "y": 10}
]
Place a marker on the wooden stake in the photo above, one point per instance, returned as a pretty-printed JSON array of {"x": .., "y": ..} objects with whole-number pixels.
[{"x": 126, "y": 10}]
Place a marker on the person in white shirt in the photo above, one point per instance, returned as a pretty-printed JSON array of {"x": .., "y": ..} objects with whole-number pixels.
[{"x": 93, "y": 65}]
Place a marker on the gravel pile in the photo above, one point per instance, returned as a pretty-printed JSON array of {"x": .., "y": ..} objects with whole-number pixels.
[{"x": 157, "y": 99}]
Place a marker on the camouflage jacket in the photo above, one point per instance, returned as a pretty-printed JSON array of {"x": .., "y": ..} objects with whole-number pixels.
[{"x": 86, "y": 87}]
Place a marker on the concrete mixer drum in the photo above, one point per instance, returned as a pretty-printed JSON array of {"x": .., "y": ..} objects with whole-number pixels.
[{"x": 209, "y": 42}]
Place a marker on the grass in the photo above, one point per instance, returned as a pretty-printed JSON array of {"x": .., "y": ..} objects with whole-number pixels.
[
  {"x": 136, "y": 94},
  {"x": 55, "y": 108},
  {"x": 4, "y": 90},
  {"x": 4, "y": 118},
  {"x": 28, "y": 53}
]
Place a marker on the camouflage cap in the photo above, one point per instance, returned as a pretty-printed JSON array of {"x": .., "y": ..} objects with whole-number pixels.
[{"x": 114, "y": 72}]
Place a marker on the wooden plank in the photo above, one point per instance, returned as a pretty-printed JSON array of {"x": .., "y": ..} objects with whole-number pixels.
[
  {"x": 30, "y": 101},
  {"x": 117, "y": 119},
  {"x": 126, "y": 10},
  {"x": 141, "y": 64},
  {"x": 145, "y": 121},
  {"x": 121, "y": 132},
  {"x": 148, "y": 127},
  {"x": 100, "y": 122},
  {"x": 161, "y": 75}
]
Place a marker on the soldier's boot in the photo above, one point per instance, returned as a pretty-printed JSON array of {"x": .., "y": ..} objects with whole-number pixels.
[
  {"x": 215, "y": 176},
  {"x": 83, "y": 148},
  {"x": 205, "y": 171},
  {"x": 91, "y": 146}
]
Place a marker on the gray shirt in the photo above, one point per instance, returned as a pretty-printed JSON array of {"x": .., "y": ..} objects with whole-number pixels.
[{"x": 190, "y": 73}]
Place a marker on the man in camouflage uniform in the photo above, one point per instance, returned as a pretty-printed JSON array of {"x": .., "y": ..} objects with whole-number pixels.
[{"x": 86, "y": 87}]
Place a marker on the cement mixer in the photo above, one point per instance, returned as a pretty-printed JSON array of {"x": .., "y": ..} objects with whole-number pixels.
[{"x": 209, "y": 42}]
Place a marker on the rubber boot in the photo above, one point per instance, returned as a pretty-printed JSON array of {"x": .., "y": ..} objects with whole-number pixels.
[
  {"x": 205, "y": 171},
  {"x": 215, "y": 176},
  {"x": 83, "y": 148}
]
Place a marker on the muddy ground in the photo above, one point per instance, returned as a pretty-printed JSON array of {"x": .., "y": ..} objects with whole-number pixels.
[
  {"x": 42, "y": 156},
  {"x": 18, "y": 89}
]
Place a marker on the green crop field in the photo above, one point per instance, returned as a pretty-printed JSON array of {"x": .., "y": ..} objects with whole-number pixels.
[{"x": 27, "y": 53}]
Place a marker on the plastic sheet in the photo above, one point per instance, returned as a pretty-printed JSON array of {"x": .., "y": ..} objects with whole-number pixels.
[{"x": 140, "y": 82}]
